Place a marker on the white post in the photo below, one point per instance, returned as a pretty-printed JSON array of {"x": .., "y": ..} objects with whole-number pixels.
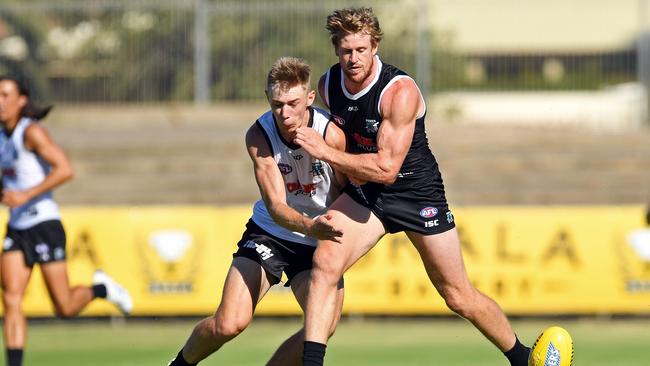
[{"x": 201, "y": 53}]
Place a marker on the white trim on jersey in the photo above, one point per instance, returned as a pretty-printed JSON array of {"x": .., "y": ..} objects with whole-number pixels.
[
  {"x": 390, "y": 83},
  {"x": 367, "y": 88},
  {"x": 326, "y": 89}
]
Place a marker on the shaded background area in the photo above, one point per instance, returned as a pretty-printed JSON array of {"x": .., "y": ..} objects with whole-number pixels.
[{"x": 180, "y": 155}]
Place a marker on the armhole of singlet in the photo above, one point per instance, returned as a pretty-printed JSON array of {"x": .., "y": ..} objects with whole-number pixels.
[
  {"x": 390, "y": 83},
  {"x": 327, "y": 124},
  {"x": 20, "y": 130},
  {"x": 266, "y": 135},
  {"x": 326, "y": 89}
]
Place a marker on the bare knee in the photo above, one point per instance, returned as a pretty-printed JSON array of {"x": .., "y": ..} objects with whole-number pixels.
[
  {"x": 12, "y": 300},
  {"x": 63, "y": 310},
  {"x": 226, "y": 327},
  {"x": 461, "y": 302},
  {"x": 326, "y": 267},
  {"x": 64, "y": 313}
]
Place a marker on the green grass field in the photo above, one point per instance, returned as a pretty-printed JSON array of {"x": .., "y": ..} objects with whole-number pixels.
[{"x": 365, "y": 342}]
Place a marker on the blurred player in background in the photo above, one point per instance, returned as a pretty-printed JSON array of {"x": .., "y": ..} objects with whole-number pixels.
[
  {"x": 398, "y": 186},
  {"x": 281, "y": 235},
  {"x": 32, "y": 165}
]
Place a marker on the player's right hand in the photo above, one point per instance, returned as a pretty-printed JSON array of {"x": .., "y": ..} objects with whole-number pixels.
[
  {"x": 14, "y": 199},
  {"x": 322, "y": 229}
]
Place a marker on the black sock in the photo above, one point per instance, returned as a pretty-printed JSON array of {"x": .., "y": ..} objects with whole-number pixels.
[
  {"x": 14, "y": 356},
  {"x": 180, "y": 361},
  {"x": 313, "y": 354},
  {"x": 518, "y": 354},
  {"x": 99, "y": 291}
]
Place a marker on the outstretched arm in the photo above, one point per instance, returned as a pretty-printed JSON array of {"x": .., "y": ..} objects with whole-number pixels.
[
  {"x": 400, "y": 106},
  {"x": 273, "y": 191},
  {"x": 38, "y": 140}
]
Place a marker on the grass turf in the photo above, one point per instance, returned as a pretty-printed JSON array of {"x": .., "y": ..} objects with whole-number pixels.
[{"x": 402, "y": 342}]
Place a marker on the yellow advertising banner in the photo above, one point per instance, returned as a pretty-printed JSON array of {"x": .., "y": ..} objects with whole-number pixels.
[{"x": 531, "y": 260}]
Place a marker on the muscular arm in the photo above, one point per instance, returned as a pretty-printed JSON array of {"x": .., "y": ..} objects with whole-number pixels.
[
  {"x": 38, "y": 141},
  {"x": 335, "y": 138},
  {"x": 400, "y": 106},
  {"x": 273, "y": 191}
]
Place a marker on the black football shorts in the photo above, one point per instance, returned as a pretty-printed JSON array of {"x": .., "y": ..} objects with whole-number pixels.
[
  {"x": 419, "y": 208},
  {"x": 275, "y": 255},
  {"x": 41, "y": 243}
]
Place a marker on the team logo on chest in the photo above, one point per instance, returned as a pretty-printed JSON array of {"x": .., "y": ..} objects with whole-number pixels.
[
  {"x": 317, "y": 168},
  {"x": 371, "y": 126}
]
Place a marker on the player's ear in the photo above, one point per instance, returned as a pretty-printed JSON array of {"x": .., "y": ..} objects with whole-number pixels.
[
  {"x": 311, "y": 96},
  {"x": 22, "y": 101}
]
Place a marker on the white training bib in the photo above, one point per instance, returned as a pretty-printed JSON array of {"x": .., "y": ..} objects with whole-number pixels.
[
  {"x": 21, "y": 170},
  {"x": 310, "y": 183}
]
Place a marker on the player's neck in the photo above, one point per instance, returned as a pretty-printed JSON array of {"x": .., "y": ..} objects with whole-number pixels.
[
  {"x": 354, "y": 87},
  {"x": 10, "y": 125}
]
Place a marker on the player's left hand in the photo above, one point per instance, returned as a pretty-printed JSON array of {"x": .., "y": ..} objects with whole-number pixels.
[
  {"x": 312, "y": 142},
  {"x": 14, "y": 199},
  {"x": 323, "y": 229}
]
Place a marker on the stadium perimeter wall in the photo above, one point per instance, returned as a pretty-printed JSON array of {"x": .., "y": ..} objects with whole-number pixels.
[
  {"x": 532, "y": 260},
  {"x": 183, "y": 154}
]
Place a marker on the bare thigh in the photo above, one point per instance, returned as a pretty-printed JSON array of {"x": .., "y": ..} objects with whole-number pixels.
[
  {"x": 442, "y": 258},
  {"x": 246, "y": 284},
  {"x": 56, "y": 279},
  {"x": 361, "y": 231}
]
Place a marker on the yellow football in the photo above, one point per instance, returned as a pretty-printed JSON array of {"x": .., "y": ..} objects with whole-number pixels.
[{"x": 554, "y": 347}]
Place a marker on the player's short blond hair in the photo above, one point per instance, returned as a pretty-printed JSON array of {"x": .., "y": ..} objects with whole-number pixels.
[
  {"x": 288, "y": 72},
  {"x": 353, "y": 20}
]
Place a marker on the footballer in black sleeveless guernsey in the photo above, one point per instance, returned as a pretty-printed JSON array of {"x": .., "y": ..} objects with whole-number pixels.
[{"x": 416, "y": 200}]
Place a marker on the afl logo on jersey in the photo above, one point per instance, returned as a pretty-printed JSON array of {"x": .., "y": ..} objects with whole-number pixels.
[
  {"x": 285, "y": 168},
  {"x": 428, "y": 212},
  {"x": 338, "y": 120}
]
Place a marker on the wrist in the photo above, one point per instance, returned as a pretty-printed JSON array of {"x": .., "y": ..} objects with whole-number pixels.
[
  {"x": 307, "y": 225},
  {"x": 30, "y": 193}
]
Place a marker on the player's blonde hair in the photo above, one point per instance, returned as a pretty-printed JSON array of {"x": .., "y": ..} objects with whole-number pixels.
[
  {"x": 288, "y": 72},
  {"x": 353, "y": 20}
]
